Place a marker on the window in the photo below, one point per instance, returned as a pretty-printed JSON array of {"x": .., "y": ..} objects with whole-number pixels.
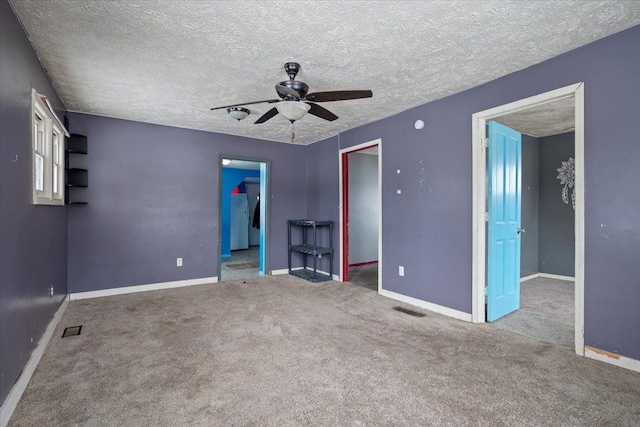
[{"x": 48, "y": 153}]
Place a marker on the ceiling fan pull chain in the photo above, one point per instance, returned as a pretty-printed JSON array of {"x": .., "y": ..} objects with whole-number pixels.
[{"x": 293, "y": 131}]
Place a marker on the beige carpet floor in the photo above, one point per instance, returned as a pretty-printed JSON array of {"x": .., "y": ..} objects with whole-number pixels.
[
  {"x": 546, "y": 312},
  {"x": 365, "y": 275},
  {"x": 281, "y": 351}
]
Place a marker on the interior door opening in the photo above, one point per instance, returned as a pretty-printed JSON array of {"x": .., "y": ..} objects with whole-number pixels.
[
  {"x": 243, "y": 219},
  {"x": 361, "y": 215},
  {"x": 543, "y": 227},
  {"x": 550, "y": 253}
]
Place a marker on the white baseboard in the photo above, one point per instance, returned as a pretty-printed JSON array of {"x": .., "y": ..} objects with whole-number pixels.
[
  {"x": 15, "y": 394},
  {"x": 612, "y": 358},
  {"x": 557, "y": 277},
  {"x": 282, "y": 271},
  {"x": 460, "y": 315},
  {"x": 548, "y": 276},
  {"x": 286, "y": 271},
  {"x": 142, "y": 288}
]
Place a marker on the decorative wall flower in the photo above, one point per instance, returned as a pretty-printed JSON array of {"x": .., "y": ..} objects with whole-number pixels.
[{"x": 567, "y": 173}]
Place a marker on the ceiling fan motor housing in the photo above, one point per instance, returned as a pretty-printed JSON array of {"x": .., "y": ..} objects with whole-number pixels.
[{"x": 292, "y": 90}]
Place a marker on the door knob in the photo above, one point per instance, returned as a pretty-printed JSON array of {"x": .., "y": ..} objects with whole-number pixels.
[{"x": 521, "y": 230}]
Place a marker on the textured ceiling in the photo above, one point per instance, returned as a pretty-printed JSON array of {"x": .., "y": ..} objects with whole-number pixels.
[
  {"x": 544, "y": 120},
  {"x": 168, "y": 62}
]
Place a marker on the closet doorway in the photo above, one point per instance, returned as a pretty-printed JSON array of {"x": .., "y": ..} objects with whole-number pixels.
[
  {"x": 361, "y": 215},
  {"x": 243, "y": 218}
]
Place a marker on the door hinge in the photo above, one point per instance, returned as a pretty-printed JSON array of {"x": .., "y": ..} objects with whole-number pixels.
[
  {"x": 485, "y": 216},
  {"x": 485, "y": 143}
]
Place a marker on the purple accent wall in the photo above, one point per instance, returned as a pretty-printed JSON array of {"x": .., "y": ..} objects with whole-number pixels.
[
  {"x": 153, "y": 197},
  {"x": 323, "y": 194},
  {"x": 428, "y": 227},
  {"x": 33, "y": 239}
]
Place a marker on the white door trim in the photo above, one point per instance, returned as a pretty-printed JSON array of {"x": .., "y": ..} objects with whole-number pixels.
[
  {"x": 479, "y": 155},
  {"x": 375, "y": 142}
]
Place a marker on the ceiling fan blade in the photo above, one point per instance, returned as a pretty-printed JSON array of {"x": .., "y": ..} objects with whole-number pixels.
[
  {"x": 321, "y": 112},
  {"x": 339, "y": 95},
  {"x": 270, "y": 101},
  {"x": 266, "y": 116}
]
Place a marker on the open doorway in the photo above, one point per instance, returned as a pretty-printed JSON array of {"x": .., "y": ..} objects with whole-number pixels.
[
  {"x": 361, "y": 215},
  {"x": 545, "y": 285},
  {"x": 547, "y": 240},
  {"x": 243, "y": 219}
]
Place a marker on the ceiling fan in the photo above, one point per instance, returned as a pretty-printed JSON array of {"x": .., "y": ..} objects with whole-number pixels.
[{"x": 295, "y": 101}]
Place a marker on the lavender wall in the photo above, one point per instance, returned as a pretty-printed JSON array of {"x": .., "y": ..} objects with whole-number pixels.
[
  {"x": 33, "y": 244},
  {"x": 153, "y": 197},
  {"x": 428, "y": 227},
  {"x": 323, "y": 193}
]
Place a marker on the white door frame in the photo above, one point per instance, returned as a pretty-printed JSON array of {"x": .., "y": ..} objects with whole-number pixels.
[
  {"x": 479, "y": 155},
  {"x": 375, "y": 142}
]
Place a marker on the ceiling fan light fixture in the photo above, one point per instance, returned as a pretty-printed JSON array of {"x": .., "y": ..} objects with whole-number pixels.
[
  {"x": 238, "y": 113},
  {"x": 293, "y": 110}
]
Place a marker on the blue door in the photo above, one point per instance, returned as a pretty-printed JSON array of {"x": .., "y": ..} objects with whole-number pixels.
[{"x": 503, "y": 244}]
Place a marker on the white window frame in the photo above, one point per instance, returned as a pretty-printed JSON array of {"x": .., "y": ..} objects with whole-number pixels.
[{"x": 52, "y": 191}]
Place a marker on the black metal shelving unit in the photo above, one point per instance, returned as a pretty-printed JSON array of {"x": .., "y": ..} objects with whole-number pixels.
[
  {"x": 309, "y": 247},
  {"x": 75, "y": 177}
]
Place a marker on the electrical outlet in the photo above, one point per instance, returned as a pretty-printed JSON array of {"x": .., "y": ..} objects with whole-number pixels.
[
  {"x": 179, "y": 262},
  {"x": 401, "y": 270},
  {"x": 319, "y": 255},
  {"x": 51, "y": 291}
]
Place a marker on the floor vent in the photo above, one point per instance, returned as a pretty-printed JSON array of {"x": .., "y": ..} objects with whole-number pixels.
[
  {"x": 71, "y": 331},
  {"x": 409, "y": 312}
]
